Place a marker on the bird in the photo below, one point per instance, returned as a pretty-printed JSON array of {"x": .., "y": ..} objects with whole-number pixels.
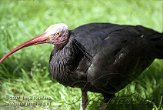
[{"x": 98, "y": 57}]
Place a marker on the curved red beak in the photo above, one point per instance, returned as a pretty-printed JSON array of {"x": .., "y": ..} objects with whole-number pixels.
[{"x": 40, "y": 39}]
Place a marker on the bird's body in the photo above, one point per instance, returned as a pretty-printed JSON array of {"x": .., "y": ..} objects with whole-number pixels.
[
  {"x": 103, "y": 57},
  {"x": 98, "y": 57}
]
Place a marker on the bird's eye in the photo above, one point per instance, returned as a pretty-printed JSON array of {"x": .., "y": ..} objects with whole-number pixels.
[{"x": 58, "y": 33}]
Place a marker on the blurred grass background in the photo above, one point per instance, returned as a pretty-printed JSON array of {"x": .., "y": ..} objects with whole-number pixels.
[{"x": 26, "y": 72}]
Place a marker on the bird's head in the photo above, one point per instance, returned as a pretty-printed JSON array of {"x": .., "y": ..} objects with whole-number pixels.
[{"x": 56, "y": 34}]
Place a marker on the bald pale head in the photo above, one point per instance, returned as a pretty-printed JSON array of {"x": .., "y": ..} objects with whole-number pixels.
[
  {"x": 58, "y": 34},
  {"x": 56, "y": 28}
]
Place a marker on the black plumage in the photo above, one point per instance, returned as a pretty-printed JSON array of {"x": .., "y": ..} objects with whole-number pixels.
[{"x": 104, "y": 57}]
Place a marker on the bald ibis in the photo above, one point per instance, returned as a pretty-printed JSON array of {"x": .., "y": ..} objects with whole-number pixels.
[{"x": 98, "y": 57}]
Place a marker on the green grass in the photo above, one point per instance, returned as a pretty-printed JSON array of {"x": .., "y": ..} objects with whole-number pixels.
[{"x": 25, "y": 74}]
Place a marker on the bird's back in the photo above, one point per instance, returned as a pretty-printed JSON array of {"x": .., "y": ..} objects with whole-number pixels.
[{"x": 93, "y": 35}]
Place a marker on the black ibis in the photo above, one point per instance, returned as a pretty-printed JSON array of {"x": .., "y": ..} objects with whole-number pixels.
[{"x": 98, "y": 57}]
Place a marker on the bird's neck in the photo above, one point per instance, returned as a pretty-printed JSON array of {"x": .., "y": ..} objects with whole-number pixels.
[{"x": 64, "y": 62}]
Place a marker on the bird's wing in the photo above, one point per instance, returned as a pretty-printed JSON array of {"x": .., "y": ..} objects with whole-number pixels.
[
  {"x": 111, "y": 52},
  {"x": 102, "y": 71}
]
